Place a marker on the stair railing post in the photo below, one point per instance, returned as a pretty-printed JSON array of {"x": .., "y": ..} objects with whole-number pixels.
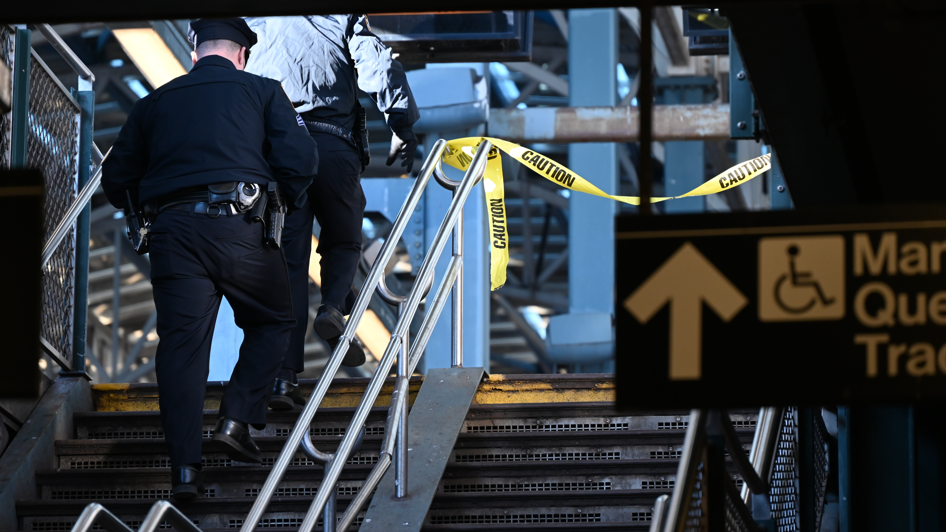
[
  {"x": 403, "y": 373},
  {"x": 456, "y": 324},
  {"x": 329, "y": 517},
  {"x": 401, "y": 388}
]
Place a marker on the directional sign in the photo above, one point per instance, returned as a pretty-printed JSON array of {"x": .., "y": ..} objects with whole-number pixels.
[{"x": 820, "y": 307}]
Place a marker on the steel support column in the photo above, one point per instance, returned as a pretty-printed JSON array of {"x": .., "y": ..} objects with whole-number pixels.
[
  {"x": 684, "y": 165},
  {"x": 593, "y": 48}
]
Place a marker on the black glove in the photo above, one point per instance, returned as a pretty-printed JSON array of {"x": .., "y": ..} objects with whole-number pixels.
[{"x": 403, "y": 142}]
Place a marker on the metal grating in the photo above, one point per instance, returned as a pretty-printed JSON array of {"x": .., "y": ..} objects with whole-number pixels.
[
  {"x": 528, "y": 486},
  {"x": 554, "y": 427},
  {"x": 7, "y": 43},
  {"x": 783, "y": 494},
  {"x": 359, "y": 459},
  {"x": 657, "y": 484},
  {"x": 666, "y": 455},
  {"x": 76, "y": 495},
  {"x": 514, "y": 519},
  {"x": 537, "y": 457},
  {"x": 738, "y": 518},
  {"x": 672, "y": 425},
  {"x": 52, "y": 145},
  {"x": 271, "y": 522},
  {"x": 155, "y": 463},
  {"x": 301, "y": 492},
  {"x": 285, "y": 522},
  {"x": 696, "y": 511},
  {"x": 134, "y": 435},
  {"x": 331, "y": 431},
  {"x": 822, "y": 465},
  {"x": 65, "y": 526},
  {"x": 638, "y": 517},
  {"x": 145, "y": 463}
]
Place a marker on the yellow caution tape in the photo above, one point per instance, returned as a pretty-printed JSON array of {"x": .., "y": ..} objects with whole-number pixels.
[{"x": 459, "y": 154}]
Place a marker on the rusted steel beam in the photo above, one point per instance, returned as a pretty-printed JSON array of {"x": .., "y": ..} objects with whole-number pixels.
[{"x": 608, "y": 124}]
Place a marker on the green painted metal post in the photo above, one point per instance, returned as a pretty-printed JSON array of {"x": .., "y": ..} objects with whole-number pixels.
[
  {"x": 86, "y": 101},
  {"x": 21, "y": 99}
]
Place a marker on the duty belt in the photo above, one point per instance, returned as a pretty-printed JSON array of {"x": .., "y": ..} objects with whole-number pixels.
[
  {"x": 331, "y": 129},
  {"x": 202, "y": 207},
  {"x": 228, "y": 199}
]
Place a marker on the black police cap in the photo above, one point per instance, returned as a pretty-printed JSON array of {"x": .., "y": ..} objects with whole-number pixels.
[{"x": 231, "y": 29}]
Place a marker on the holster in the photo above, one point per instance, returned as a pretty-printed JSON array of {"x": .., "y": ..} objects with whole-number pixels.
[
  {"x": 272, "y": 214},
  {"x": 138, "y": 222}
]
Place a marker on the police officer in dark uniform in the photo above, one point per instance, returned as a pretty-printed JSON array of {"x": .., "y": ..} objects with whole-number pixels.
[
  {"x": 320, "y": 60},
  {"x": 199, "y": 155}
]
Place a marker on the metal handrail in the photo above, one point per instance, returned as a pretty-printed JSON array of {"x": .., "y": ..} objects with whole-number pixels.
[
  {"x": 659, "y": 516},
  {"x": 301, "y": 429},
  {"x": 756, "y": 471},
  {"x": 473, "y": 175},
  {"x": 765, "y": 445},
  {"x": 686, "y": 472},
  {"x": 161, "y": 511},
  {"x": 80, "y": 68},
  {"x": 82, "y": 199}
]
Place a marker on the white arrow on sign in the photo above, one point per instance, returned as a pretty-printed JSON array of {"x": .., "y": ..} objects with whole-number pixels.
[{"x": 685, "y": 281}]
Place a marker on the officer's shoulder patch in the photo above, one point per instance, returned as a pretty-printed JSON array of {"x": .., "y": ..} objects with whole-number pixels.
[{"x": 300, "y": 121}]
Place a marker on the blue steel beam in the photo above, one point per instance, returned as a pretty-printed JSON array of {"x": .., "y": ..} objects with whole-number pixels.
[{"x": 592, "y": 52}]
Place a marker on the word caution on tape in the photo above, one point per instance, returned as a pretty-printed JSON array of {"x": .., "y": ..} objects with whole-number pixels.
[
  {"x": 460, "y": 153},
  {"x": 834, "y": 306}
]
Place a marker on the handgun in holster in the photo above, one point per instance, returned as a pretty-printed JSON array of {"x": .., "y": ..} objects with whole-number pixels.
[
  {"x": 138, "y": 223},
  {"x": 272, "y": 214}
]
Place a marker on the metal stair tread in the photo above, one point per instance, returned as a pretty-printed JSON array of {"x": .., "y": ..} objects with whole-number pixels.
[
  {"x": 466, "y": 441},
  {"x": 210, "y": 505},
  {"x": 343, "y": 413},
  {"x": 100, "y": 477},
  {"x": 158, "y": 446}
]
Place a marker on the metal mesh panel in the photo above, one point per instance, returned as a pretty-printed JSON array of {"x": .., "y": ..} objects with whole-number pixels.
[
  {"x": 696, "y": 509},
  {"x": 783, "y": 494},
  {"x": 7, "y": 41},
  {"x": 53, "y": 146},
  {"x": 821, "y": 451},
  {"x": 738, "y": 518}
]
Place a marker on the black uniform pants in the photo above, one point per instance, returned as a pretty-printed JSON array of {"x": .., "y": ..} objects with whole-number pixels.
[
  {"x": 337, "y": 201},
  {"x": 196, "y": 259}
]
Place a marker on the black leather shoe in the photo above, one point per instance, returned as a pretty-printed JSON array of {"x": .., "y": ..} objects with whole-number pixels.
[
  {"x": 185, "y": 483},
  {"x": 286, "y": 395},
  {"x": 236, "y": 435},
  {"x": 329, "y": 324}
]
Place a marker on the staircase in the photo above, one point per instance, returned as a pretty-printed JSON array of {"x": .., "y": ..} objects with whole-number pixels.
[{"x": 536, "y": 452}]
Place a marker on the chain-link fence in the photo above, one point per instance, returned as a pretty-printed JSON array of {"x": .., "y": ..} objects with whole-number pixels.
[
  {"x": 7, "y": 42},
  {"x": 53, "y": 147}
]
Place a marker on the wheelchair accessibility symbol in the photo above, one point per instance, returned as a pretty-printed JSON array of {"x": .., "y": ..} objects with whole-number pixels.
[{"x": 801, "y": 278}]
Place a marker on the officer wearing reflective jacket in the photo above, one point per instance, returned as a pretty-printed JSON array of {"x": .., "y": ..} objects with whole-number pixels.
[
  {"x": 320, "y": 61},
  {"x": 205, "y": 158}
]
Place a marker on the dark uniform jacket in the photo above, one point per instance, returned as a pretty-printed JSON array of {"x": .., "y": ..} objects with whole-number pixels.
[
  {"x": 316, "y": 57},
  {"x": 215, "y": 124}
]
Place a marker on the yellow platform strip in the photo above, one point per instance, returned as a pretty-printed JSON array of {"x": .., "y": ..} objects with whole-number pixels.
[{"x": 494, "y": 390}]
